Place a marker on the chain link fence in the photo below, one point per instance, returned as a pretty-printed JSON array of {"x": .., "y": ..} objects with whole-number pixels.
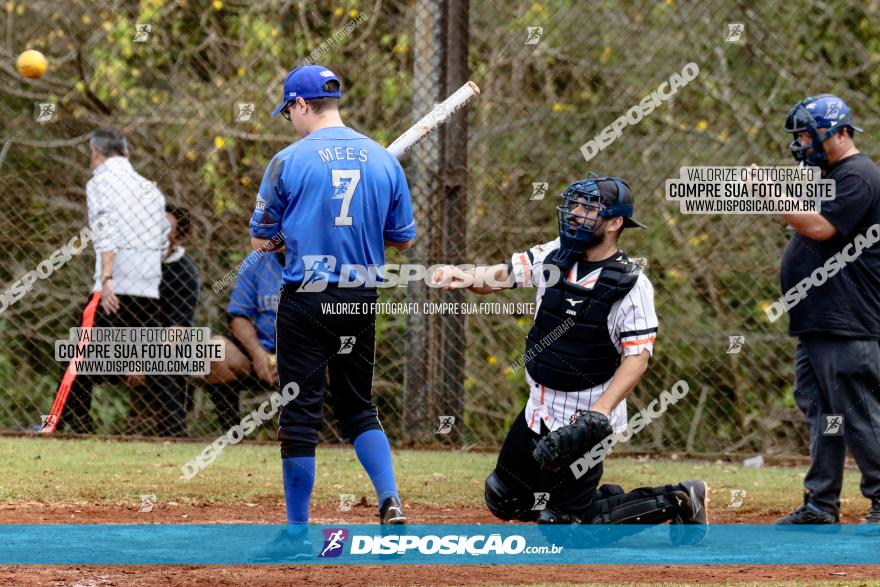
[{"x": 192, "y": 86}]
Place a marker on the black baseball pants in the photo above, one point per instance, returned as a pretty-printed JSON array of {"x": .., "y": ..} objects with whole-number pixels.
[
  {"x": 332, "y": 330},
  {"x": 520, "y": 472}
]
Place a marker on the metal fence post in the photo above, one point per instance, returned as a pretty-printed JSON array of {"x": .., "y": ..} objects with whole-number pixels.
[
  {"x": 428, "y": 87},
  {"x": 453, "y": 232}
]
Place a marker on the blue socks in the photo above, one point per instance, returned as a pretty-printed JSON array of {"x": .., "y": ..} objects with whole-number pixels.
[
  {"x": 372, "y": 450},
  {"x": 299, "y": 478},
  {"x": 374, "y": 453}
]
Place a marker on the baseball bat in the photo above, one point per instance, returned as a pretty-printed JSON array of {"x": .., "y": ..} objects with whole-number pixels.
[
  {"x": 437, "y": 116},
  {"x": 70, "y": 373}
]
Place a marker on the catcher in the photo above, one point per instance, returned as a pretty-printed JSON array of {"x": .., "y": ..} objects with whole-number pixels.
[{"x": 593, "y": 305}]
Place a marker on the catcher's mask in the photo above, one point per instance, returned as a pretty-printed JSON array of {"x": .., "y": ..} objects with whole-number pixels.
[
  {"x": 811, "y": 114},
  {"x": 609, "y": 196}
]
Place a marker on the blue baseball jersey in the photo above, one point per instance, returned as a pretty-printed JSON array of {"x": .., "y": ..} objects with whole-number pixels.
[
  {"x": 334, "y": 196},
  {"x": 256, "y": 294}
]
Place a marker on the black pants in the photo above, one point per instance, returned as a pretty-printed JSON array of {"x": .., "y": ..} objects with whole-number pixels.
[
  {"x": 520, "y": 475},
  {"x": 134, "y": 311},
  {"x": 837, "y": 375},
  {"x": 520, "y": 472},
  {"x": 311, "y": 340}
]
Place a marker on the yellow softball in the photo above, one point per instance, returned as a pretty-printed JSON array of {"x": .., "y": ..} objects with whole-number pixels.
[{"x": 32, "y": 64}]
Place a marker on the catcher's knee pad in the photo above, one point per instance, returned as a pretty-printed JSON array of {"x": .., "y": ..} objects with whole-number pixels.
[
  {"x": 642, "y": 506},
  {"x": 506, "y": 504}
]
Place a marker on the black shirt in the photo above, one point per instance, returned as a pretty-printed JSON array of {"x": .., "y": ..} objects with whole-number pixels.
[
  {"x": 848, "y": 303},
  {"x": 178, "y": 293}
]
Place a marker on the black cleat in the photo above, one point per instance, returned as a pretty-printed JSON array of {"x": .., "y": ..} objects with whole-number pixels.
[
  {"x": 287, "y": 546},
  {"x": 391, "y": 512},
  {"x": 808, "y": 514},
  {"x": 548, "y": 516},
  {"x": 692, "y": 522},
  {"x": 873, "y": 516}
]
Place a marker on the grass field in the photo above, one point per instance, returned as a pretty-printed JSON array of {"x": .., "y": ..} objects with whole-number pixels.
[
  {"x": 112, "y": 472},
  {"x": 56, "y": 480}
]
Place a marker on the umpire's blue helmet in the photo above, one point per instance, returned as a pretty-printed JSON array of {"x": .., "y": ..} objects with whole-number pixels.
[{"x": 825, "y": 111}]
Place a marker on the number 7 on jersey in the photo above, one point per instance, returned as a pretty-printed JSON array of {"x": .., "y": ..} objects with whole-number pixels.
[{"x": 354, "y": 177}]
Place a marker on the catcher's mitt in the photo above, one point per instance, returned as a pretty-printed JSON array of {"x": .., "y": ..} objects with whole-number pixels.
[{"x": 565, "y": 444}]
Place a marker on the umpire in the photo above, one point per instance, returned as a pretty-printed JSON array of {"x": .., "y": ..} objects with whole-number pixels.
[
  {"x": 838, "y": 322},
  {"x": 336, "y": 197}
]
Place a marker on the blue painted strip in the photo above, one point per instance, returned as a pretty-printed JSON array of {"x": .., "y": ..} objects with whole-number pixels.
[{"x": 111, "y": 544}]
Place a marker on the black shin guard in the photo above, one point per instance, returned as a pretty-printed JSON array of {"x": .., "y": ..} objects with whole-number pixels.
[{"x": 646, "y": 505}]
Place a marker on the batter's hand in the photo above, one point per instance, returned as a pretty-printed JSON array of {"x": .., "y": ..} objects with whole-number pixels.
[{"x": 565, "y": 444}]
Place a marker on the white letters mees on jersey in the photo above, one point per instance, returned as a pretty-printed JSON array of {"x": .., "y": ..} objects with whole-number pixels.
[{"x": 342, "y": 154}]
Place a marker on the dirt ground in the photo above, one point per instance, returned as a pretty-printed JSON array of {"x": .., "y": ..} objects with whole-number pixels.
[{"x": 268, "y": 513}]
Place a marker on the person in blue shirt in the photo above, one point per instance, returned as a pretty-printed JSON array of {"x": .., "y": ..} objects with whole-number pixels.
[
  {"x": 333, "y": 198},
  {"x": 249, "y": 361}
]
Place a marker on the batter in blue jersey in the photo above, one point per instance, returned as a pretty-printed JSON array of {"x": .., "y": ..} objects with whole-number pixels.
[
  {"x": 333, "y": 198},
  {"x": 338, "y": 197}
]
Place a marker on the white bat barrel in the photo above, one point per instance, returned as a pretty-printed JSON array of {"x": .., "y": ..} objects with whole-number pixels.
[{"x": 434, "y": 118}]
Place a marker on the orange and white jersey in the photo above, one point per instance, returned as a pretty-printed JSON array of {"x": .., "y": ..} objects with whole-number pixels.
[{"x": 632, "y": 326}]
